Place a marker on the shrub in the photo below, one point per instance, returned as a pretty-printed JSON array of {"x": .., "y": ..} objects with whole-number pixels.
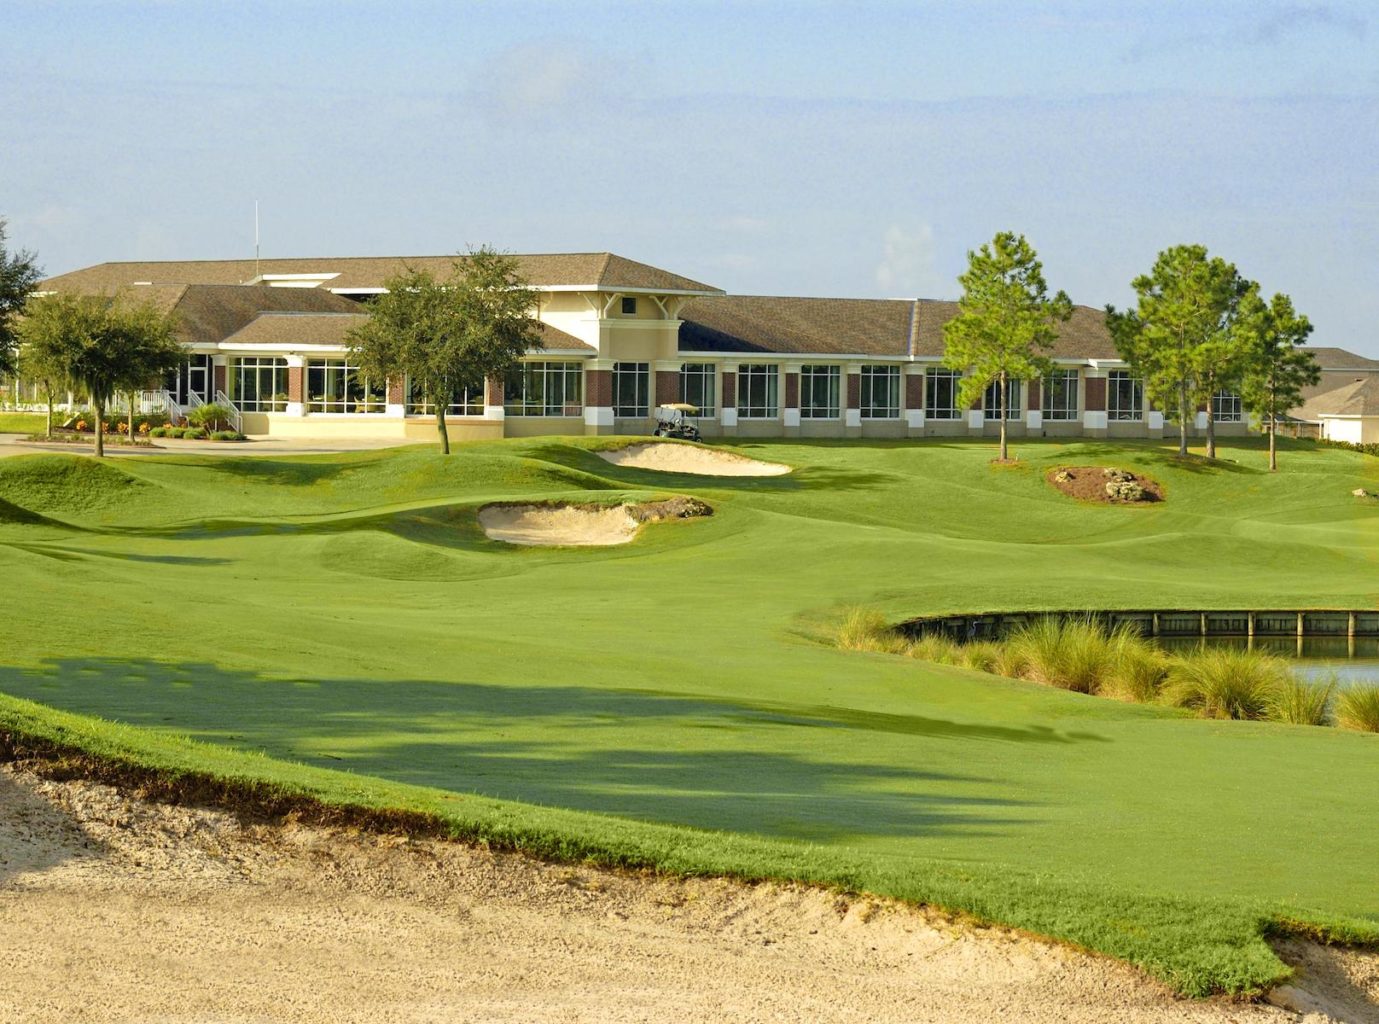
[
  {"x": 210, "y": 417},
  {"x": 145, "y": 428},
  {"x": 1220, "y": 683},
  {"x": 194, "y": 433},
  {"x": 158, "y": 432},
  {"x": 80, "y": 426},
  {"x": 1303, "y": 701},
  {"x": 935, "y": 647},
  {"x": 227, "y": 435},
  {"x": 1357, "y": 707},
  {"x": 865, "y": 629}
]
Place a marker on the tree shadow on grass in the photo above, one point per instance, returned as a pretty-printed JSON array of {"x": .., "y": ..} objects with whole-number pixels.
[
  {"x": 763, "y": 768},
  {"x": 1157, "y": 454}
]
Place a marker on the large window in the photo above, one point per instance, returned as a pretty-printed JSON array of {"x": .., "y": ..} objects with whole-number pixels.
[
  {"x": 819, "y": 386},
  {"x": 1124, "y": 396},
  {"x": 1225, "y": 407},
  {"x": 756, "y": 391},
  {"x": 880, "y": 398},
  {"x": 991, "y": 401},
  {"x": 941, "y": 393},
  {"x": 471, "y": 403},
  {"x": 697, "y": 386},
  {"x": 1060, "y": 395},
  {"x": 335, "y": 386},
  {"x": 545, "y": 389},
  {"x": 631, "y": 385},
  {"x": 259, "y": 384}
]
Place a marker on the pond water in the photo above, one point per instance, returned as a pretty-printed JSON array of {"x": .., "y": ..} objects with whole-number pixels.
[{"x": 1350, "y": 660}]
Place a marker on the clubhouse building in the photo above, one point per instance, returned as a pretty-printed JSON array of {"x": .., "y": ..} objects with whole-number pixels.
[{"x": 619, "y": 338}]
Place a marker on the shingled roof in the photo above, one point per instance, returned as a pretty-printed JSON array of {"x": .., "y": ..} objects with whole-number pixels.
[
  {"x": 1358, "y": 398},
  {"x": 1341, "y": 359},
  {"x": 297, "y": 328},
  {"x": 603, "y": 270},
  {"x": 207, "y": 314},
  {"x": 895, "y": 328}
]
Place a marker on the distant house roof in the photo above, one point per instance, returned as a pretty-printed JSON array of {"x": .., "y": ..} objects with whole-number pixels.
[
  {"x": 603, "y": 270},
  {"x": 1358, "y": 398},
  {"x": 895, "y": 328},
  {"x": 207, "y": 314},
  {"x": 299, "y": 328},
  {"x": 1341, "y": 359}
]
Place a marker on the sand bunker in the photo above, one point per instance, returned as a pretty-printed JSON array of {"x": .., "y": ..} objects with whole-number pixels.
[
  {"x": 581, "y": 525},
  {"x": 117, "y": 909},
  {"x": 688, "y": 458}
]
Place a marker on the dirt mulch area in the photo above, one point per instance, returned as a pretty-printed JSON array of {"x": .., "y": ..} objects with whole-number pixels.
[
  {"x": 117, "y": 909},
  {"x": 1088, "y": 483}
]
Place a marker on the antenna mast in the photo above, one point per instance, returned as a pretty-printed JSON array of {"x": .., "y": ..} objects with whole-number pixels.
[{"x": 256, "y": 240}]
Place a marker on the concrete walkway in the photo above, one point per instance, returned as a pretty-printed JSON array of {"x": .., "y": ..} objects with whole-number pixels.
[{"x": 15, "y": 444}]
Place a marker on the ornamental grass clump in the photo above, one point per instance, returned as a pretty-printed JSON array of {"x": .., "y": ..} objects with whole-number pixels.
[
  {"x": 1063, "y": 653},
  {"x": 935, "y": 647},
  {"x": 1137, "y": 667},
  {"x": 1357, "y": 707},
  {"x": 1221, "y": 683},
  {"x": 983, "y": 656},
  {"x": 1303, "y": 701},
  {"x": 865, "y": 629}
]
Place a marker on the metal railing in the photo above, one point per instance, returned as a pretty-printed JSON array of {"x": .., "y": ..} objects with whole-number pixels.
[{"x": 236, "y": 419}]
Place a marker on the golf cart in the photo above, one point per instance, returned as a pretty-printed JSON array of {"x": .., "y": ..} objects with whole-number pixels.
[{"x": 675, "y": 420}]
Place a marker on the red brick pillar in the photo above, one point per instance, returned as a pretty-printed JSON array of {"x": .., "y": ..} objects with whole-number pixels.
[
  {"x": 792, "y": 390},
  {"x": 1034, "y": 395},
  {"x": 1096, "y": 394},
  {"x": 219, "y": 375},
  {"x": 598, "y": 388},
  {"x": 914, "y": 391},
  {"x": 854, "y": 391},
  {"x": 396, "y": 393},
  {"x": 493, "y": 392},
  {"x": 667, "y": 387},
  {"x": 296, "y": 377},
  {"x": 729, "y": 389}
]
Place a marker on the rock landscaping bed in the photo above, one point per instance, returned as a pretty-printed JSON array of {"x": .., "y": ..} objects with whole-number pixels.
[
  {"x": 582, "y": 525},
  {"x": 1105, "y": 484}
]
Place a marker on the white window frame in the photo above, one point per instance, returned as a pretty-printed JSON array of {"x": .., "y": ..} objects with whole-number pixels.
[
  {"x": 765, "y": 376},
  {"x": 257, "y": 367},
  {"x": 936, "y": 377},
  {"x": 635, "y": 377},
  {"x": 471, "y": 403},
  {"x": 1067, "y": 410},
  {"x": 829, "y": 379},
  {"x": 887, "y": 377},
  {"x": 991, "y": 400},
  {"x": 1226, "y": 407},
  {"x": 359, "y": 394},
  {"x": 706, "y": 375},
  {"x": 1115, "y": 411},
  {"x": 561, "y": 378}
]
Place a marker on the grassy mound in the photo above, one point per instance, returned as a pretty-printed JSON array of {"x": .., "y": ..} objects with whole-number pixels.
[
  {"x": 67, "y": 485},
  {"x": 668, "y": 704}
]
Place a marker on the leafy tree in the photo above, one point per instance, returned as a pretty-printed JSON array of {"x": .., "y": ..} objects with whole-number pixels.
[
  {"x": 43, "y": 364},
  {"x": 103, "y": 345},
  {"x": 452, "y": 335},
  {"x": 1005, "y": 321},
  {"x": 19, "y": 275},
  {"x": 1276, "y": 367},
  {"x": 1184, "y": 340}
]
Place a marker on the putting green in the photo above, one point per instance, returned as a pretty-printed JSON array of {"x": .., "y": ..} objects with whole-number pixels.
[{"x": 341, "y": 625}]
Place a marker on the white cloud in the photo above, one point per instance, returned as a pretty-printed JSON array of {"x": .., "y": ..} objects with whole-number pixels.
[{"x": 907, "y": 264}]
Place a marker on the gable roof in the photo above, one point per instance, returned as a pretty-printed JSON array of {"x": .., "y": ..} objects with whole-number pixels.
[
  {"x": 1358, "y": 398},
  {"x": 1340, "y": 359},
  {"x": 603, "y": 270},
  {"x": 894, "y": 328}
]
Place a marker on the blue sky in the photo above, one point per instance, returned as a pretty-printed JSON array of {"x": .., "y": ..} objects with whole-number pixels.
[{"x": 823, "y": 149}]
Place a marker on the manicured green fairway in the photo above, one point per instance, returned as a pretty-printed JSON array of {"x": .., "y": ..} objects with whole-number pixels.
[{"x": 670, "y": 701}]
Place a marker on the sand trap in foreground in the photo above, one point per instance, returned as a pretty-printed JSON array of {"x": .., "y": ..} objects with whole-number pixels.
[
  {"x": 581, "y": 525},
  {"x": 120, "y": 910},
  {"x": 688, "y": 458}
]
